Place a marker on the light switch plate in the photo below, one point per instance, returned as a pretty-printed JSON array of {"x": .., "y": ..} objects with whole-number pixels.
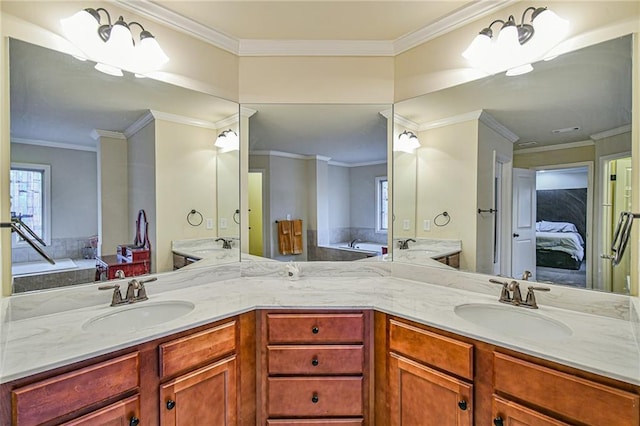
[
  {"x": 426, "y": 225},
  {"x": 405, "y": 224}
]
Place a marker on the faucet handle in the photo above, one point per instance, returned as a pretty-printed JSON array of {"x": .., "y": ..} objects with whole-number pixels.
[
  {"x": 530, "y": 302},
  {"x": 504, "y": 294},
  {"x": 116, "y": 299},
  {"x": 514, "y": 287}
]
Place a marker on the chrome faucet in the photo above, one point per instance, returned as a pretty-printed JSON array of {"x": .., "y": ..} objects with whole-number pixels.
[
  {"x": 136, "y": 292},
  {"x": 511, "y": 294},
  {"x": 353, "y": 242},
  {"x": 226, "y": 244},
  {"x": 404, "y": 244}
]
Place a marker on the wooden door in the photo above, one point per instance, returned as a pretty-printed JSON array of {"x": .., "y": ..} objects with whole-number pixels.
[
  {"x": 507, "y": 413},
  {"x": 206, "y": 397},
  {"x": 523, "y": 247},
  {"x": 421, "y": 396},
  {"x": 121, "y": 413}
]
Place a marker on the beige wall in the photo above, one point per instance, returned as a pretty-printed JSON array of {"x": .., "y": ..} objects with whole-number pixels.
[
  {"x": 447, "y": 164},
  {"x": 113, "y": 195},
  {"x": 531, "y": 160},
  {"x": 227, "y": 193},
  {"x": 185, "y": 179}
]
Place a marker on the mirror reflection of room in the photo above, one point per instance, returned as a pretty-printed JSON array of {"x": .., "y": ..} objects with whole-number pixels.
[
  {"x": 533, "y": 170},
  {"x": 317, "y": 182},
  {"x": 87, "y": 150}
]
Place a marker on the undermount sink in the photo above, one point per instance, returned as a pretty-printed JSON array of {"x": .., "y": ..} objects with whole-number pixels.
[
  {"x": 138, "y": 316},
  {"x": 514, "y": 321}
]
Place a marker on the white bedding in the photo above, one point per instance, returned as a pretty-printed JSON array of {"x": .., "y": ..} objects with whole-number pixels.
[{"x": 568, "y": 242}]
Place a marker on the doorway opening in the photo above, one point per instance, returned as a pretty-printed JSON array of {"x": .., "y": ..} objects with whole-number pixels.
[{"x": 256, "y": 228}]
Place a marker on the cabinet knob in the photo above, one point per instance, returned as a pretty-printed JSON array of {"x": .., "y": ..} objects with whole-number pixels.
[
  {"x": 315, "y": 398},
  {"x": 315, "y": 330},
  {"x": 462, "y": 404},
  {"x": 315, "y": 362},
  {"x": 171, "y": 404},
  {"x": 134, "y": 421},
  {"x": 498, "y": 421}
]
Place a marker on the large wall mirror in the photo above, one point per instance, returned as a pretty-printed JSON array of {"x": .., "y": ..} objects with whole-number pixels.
[
  {"x": 522, "y": 176},
  {"x": 317, "y": 182},
  {"x": 90, "y": 151}
]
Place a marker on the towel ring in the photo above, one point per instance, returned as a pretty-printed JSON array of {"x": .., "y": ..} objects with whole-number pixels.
[
  {"x": 443, "y": 222},
  {"x": 192, "y": 213}
]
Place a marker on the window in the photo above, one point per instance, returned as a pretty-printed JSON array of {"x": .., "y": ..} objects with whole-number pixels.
[
  {"x": 30, "y": 201},
  {"x": 382, "y": 204}
]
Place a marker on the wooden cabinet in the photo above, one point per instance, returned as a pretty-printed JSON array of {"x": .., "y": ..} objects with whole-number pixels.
[
  {"x": 314, "y": 368},
  {"x": 205, "y": 395},
  {"x": 180, "y": 261},
  {"x": 122, "y": 413},
  {"x": 47, "y": 400},
  {"x": 561, "y": 396},
  {"x": 423, "y": 389},
  {"x": 452, "y": 260},
  {"x": 508, "y": 413}
]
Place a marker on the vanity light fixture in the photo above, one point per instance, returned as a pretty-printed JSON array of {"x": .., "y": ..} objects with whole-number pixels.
[
  {"x": 407, "y": 142},
  {"x": 228, "y": 141},
  {"x": 517, "y": 45},
  {"x": 112, "y": 45}
]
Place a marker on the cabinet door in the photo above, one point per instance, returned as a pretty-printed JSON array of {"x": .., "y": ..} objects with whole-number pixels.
[
  {"x": 121, "y": 413},
  {"x": 421, "y": 396},
  {"x": 507, "y": 413},
  {"x": 204, "y": 397}
]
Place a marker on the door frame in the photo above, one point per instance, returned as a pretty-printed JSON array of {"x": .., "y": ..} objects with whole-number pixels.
[
  {"x": 265, "y": 219},
  {"x": 590, "y": 253},
  {"x": 503, "y": 215}
]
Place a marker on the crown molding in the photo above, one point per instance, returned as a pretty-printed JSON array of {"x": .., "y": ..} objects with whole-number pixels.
[
  {"x": 251, "y": 47},
  {"x": 612, "y": 132},
  {"x": 52, "y": 144},
  {"x": 226, "y": 122},
  {"x": 247, "y": 112},
  {"x": 405, "y": 122},
  {"x": 138, "y": 124},
  {"x": 461, "y": 118},
  {"x": 289, "y": 155},
  {"x": 180, "y": 23},
  {"x": 181, "y": 119},
  {"x": 570, "y": 145},
  {"x": 491, "y": 122},
  {"x": 99, "y": 133},
  {"x": 449, "y": 23},
  {"x": 369, "y": 163}
]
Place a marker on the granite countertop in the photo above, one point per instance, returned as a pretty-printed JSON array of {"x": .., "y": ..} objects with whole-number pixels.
[{"x": 44, "y": 330}]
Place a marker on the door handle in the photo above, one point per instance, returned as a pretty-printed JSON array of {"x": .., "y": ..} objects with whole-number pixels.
[{"x": 515, "y": 235}]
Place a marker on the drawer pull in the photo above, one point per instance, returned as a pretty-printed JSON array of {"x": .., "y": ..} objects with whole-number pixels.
[
  {"x": 315, "y": 330},
  {"x": 134, "y": 421},
  {"x": 315, "y": 362},
  {"x": 171, "y": 404},
  {"x": 498, "y": 421},
  {"x": 315, "y": 398},
  {"x": 463, "y": 405}
]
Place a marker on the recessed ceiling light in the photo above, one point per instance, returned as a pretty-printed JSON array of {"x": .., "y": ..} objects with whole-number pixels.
[
  {"x": 528, "y": 143},
  {"x": 566, "y": 129}
]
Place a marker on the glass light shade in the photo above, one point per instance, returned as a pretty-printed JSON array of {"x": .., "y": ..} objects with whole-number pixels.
[
  {"x": 82, "y": 30},
  {"x": 152, "y": 52},
  {"x": 549, "y": 31},
  {"x": 507, "y": 42},
  {"x": 407, "y": 142},
  {"x": 119, "y": 47},
  {"x": 478, "y": 48},
  {"x": 109, "y": 69},
  {"x": 228, "y": 141}
]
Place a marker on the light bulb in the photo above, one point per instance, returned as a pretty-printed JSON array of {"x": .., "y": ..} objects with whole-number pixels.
[
  {"x": 109, "y": 69},
  {"x": 478, "y": 48},
  {"x": 119, "y": 47}
]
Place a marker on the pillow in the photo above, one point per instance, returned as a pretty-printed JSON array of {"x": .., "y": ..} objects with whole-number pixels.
[{"x": 544, "y": 226}]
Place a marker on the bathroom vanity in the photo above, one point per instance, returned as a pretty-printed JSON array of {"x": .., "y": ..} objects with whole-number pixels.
[{"x": 324, "y": 347}]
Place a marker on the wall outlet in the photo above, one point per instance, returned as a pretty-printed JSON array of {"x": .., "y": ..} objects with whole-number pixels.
[
  {"x": 426, "y": 225},
  {"x": 223, "y": 223},
  {"x": 405, "y": 224},
  {"x": 288, "y": 217}
]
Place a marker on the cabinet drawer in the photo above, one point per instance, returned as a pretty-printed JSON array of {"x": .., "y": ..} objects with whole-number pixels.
[
  {"x": 438, "y": 351},
  {"x": 515, "y": 414},
  {"x": 188, "y": 352},
  {"x": 315, "y": 328},
  {"x": 120, "y": 413},
  {"x": 315, "y": 397},
  {"x": 569, "y": 396},
  {"x": 316, "y": 422},
  {"x": 316, "y": 359},
  {"x": 46, "y": 400}
]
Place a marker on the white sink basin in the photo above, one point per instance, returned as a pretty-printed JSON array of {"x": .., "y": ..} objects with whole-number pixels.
[
  {"x": 514, "y": 321},
  {"x": 138, "y": 316}
]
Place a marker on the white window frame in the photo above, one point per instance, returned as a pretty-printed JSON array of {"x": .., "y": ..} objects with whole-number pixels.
[
  {"x": 379, "y": 223},
  {"x": 45, "y": 169}
]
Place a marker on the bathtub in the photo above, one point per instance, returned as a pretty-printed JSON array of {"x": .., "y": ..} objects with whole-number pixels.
[
  {"x": 43, "y": 267},
  {"x": 363, "y": 247}
]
